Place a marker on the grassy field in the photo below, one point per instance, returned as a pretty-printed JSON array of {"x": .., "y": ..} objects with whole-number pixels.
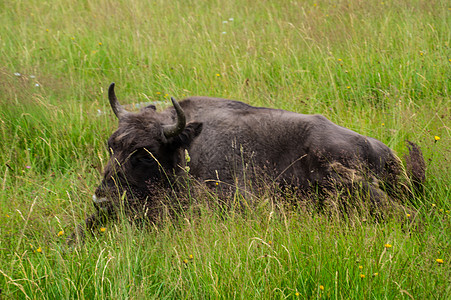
[{"x": 381, "y": 68}]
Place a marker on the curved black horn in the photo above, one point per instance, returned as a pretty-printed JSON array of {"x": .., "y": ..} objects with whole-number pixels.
[
  {"x": 177, "y": 128},
  {"x": 118, "y": 110}
]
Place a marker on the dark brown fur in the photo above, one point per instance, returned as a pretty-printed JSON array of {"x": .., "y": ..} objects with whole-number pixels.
[
  {"x": 230, "y": 142},
  {"x": 416, "y": 166}
]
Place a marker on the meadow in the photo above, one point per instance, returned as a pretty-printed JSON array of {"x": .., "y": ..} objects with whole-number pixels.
[{"x": 381, "y": 68}]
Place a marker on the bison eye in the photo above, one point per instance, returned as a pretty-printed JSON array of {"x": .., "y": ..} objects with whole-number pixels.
[
  {"x": 146, "y": 159},
  {"x": 143, "y": 157}
]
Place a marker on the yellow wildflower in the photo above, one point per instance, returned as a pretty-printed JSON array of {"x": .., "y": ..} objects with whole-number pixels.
[
  {"x": 158, "y": 93},
  {"x": 436, "y": 138},
  {"x": 39, "y": 250},
  {"x": 191, "y": 256},
  {"x": 383, "y": 124},
  {"x": 340, "y": 59},
  {"x": 375, "y": 274},
  {"x": 388, "y": 245},
  {"x": 297, "y": 294},
  {"x": 439, "y": 260},
  {"x": 270, "y": 243},
  {"x": 321, "y": 287},
  {"x": 7, "y": 215},
  {"x": 60, "y": 233},
  {"x": 360, "y": 267},
  {"x": 102, "y": 229},
  {"x": 217, "y": 74},
  {"x": 362, "y": 276},
  {"x": 185, "y": 261},
  {"x": 408, "y": 215},
  {"x": 100, "y": 43}
]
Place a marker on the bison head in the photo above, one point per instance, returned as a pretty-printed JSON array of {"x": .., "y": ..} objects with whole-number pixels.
[{"x": 146, "y": 151}]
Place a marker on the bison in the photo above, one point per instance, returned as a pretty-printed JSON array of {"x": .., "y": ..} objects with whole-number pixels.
[{"x": 229, "y": 143}]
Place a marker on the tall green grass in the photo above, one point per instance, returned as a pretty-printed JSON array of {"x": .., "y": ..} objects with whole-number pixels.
[{"x": 381, "y": 68}]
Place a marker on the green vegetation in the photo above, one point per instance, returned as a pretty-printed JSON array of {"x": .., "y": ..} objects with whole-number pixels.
[{"x": 381, "y": 68}]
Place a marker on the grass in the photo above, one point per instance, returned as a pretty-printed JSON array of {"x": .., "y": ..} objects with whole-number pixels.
[{"x": 381, "y": 68}]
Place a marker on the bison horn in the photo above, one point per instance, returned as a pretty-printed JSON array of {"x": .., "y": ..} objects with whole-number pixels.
[
  {"x": 118, "y": 109},
  {"x": 177, "y": 128}
]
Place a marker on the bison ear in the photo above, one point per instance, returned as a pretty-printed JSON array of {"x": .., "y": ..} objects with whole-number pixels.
[{"x": 184, "y": 139}]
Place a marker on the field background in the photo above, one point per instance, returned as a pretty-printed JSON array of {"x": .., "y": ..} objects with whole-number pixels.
[{"x": 381, "y": 68}]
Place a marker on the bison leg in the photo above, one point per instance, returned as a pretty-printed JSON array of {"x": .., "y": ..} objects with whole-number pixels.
[{"x": 357, "y": 189}]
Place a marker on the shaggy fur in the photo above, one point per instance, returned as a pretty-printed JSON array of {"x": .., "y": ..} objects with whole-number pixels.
[{"x": 231, "y": 142}]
